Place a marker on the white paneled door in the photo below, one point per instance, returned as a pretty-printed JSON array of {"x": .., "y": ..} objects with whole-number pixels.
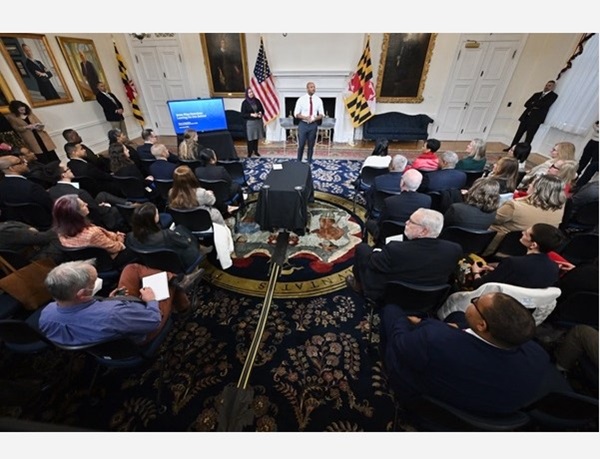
[{"x": 480, "y": 76}]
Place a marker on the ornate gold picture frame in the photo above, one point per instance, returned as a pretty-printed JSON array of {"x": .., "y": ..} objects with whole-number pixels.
[
  {"x": 5, "y": 95},
  {"x": 35, "y": 68},
  {"x": 403, "y": 67},
  {"x": 226, "y": 63},
  {"x": 84, "y": 65}
]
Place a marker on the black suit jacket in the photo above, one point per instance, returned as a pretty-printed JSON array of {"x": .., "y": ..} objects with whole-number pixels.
[
  {"x": 20, "y": 190},
  {"x": 82, "y": 168},
  {"x": 399, "y": 208},
  {"x": 444, "y": 179},
  {"x": 423, "y": 261},
  {"x": 162, "y": 170},
  {"x": 144, "y": 152},
  {"x": 109, "y": 106},
  {"x": 536, "y": 109}
]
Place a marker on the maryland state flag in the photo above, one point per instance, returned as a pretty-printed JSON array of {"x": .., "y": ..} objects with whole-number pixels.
[
  {"x": 360, "y": 99},
  {"x": 129, "y": 88}
]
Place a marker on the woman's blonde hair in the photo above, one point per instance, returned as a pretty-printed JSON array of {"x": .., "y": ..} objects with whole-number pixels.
[
  {"x": 565, "y": 150},
  {"x": 188, "y": 148},
  {"x": 478, "y": 152}
]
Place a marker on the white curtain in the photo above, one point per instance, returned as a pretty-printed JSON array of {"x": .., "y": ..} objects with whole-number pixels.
[{"x": 576, "y": 108}]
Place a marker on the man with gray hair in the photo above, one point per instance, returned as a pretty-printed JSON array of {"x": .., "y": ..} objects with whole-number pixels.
[
  {"x": 161, "y": 168},
  {"x": 401, "y": 206},
  {"x": 447, "y": 178},
  {"x": 420, "y": 259},
  {"x": 78, "y": 317}
]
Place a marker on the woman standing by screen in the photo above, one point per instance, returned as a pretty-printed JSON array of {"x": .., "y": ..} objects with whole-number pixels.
[{"x": 252, "y": 112}]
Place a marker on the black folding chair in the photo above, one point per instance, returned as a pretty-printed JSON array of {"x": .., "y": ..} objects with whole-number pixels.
[
  {"x": 197, "y": 220},
  {"x": 132, "y": 188},
  {"x": 365, "y": 180},
  {"x": 471, "y": 240},
  {"x": 235, "y": 167},
  {"x": 31, "y": 213}
]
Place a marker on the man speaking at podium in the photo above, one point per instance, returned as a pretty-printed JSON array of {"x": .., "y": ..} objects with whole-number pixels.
[{"x": 309, "y": 110}]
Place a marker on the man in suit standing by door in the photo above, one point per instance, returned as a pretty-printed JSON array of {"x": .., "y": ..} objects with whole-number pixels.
[
  {"x": 536, "y": 109},
  {"x": 113, "y": 108}
]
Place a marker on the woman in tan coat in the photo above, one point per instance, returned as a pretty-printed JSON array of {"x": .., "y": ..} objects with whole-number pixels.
[
  {"x": 544, "y": 203},
  {"x": 31, "y": 130}
]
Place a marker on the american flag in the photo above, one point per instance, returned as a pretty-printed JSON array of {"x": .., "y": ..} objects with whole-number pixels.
[
  {"x": 360, "y": 99},
  {"x": 263, "y": 86}
]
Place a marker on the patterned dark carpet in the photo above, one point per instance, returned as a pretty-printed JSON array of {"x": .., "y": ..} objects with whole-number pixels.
[{"x": 314, "y": 370}]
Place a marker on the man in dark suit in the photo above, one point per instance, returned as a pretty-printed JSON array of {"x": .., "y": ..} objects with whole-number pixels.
[
  {"x": 82, "y": 168},
  {"x": 145, "y": 150},
  {"x": 420, "y": 259},
  {"x": 15, "y": 188},
  {"x": 389, "y": 182},
  {"x": 72, "y": 136},
  {"x": 112, "y": 106},
  {"x": 447, "y": 178},
  {"x": 489, "y": 365},
  {"x": 161, "y": 168},
  {"x": 536, "y": 109},
  {"x": 102, "y": 213}
]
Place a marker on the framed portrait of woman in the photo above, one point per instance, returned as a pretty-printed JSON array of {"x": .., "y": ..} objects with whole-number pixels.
[
  {"x": 226, "y": 66},
  {"x": 84, "y": 65},
  {"x": 403, "y": 67},
  {"x": 35, "y": 68},
  {"x": 5, "y": 95}
]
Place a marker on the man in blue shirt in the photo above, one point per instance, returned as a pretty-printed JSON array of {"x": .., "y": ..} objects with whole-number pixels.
[{"x": 78, "y": 317}]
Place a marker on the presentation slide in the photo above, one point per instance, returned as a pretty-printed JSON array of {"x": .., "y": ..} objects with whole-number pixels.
[{"x": 202, "y": 115}]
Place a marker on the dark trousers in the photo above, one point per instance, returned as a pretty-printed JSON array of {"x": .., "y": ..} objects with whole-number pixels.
[
  {"x": 527, "y": 128},
  {"x": 252, "y": 146},
  {"x": 307, "y": 133},
  {"x": 588, "y": 163}
]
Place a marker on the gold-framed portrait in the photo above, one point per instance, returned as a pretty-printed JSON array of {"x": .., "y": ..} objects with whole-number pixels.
[
  {"x": 226, "y": 64},
  {"x": 84, "y": 64},
  {"x": 35, "y": 68},
  {"x": 5, "y": 95},
  {"x": 403, "y": 66}
]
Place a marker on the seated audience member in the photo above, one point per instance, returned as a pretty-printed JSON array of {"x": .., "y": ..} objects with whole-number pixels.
[
  {"x": 186, "y": 193},
  {"x": 544, "y": 203},
  {"x": 582, "y": 196},
  {"x": 121, "y": 165},
  {"x": 580, "y": 341},
  {"x": 420, "y": 259},
  {"x": 40, "y": 173},
  {"x": 147, "y": 234},
  {"x": 478, "y": 211},
  {"x": 145, "y": 150},
  {"x": 118, "y": 136},
  {"x": 71, "y": 223},
  {"x": 492, "y": 366},
  {"x": 82, "y": 168},
  {"x": 447, "y": 178},
  {"x": 506, "y": 173},
  {"x": 16, "y": 188},
  {"x": 189, "y": 148},
  {"x": 565, "y": 170},
  {"x": 161, "y": 169},
  {"x": 520, "y": 152},
  {"x": 562, "y": 150},
  {"x": 101, "y": 211},
  {"x": 102, "y": 162},
  {"x": 533, "y": 270},
  {"x": 77, "y": 317},
  {"x": 475, "y": 159},
  {"x": 31, "y": 243},
  {"x": 377, "y": 161},
  {"x": 399, "y": 208},
  {"x": 389, "y": 182},
  {"x": 210, "y": 170},
  {"x": 428, "y": 160}
]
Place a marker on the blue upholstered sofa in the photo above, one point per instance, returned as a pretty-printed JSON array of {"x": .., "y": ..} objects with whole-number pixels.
[
  {"x": 396, "y": 126},
  {"x": 236, "y": 125}
]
